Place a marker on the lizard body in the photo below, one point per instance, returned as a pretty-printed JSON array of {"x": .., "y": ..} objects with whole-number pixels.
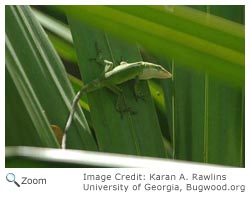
[{"x": 115, "y": 76}]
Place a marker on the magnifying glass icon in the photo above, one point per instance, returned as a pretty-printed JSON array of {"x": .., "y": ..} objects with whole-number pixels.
[{"x": 11, "y": 178}]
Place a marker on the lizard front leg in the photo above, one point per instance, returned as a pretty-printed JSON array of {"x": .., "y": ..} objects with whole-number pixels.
[
  {"x": 137, "y": 93},
  {"x": 121, "y": 106},
  {"x": 99, "y": 59}
]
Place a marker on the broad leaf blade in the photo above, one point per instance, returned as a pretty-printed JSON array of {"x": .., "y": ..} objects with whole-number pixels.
[
  {"x": 45, "y": 73},
  {"x": 208, "y": 116},
  {"x": 187, "y": 49},
  {"x": 133, "y": 134},
  {"x": 26, "y": 123}
]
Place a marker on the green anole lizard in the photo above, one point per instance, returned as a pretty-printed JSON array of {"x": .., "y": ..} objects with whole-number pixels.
[{"x": 112, "y": 77}]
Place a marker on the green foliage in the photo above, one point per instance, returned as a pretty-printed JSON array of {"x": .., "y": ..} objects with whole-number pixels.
[
  {"x": 199, "y": 114},
  {"x": 113, "y": 132},
  {"x": 203, "y": 54},
  {"x": 33, "y": 63}
]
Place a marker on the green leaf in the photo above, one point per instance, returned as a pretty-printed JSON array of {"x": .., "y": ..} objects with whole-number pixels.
[
  {"x": 202, "y": 112},
  {"x": 171, "y": 42},
  {"x": 33, "y": 58},
  {"x": 133, "y": 134},
  {"x": 59, "y": 34},
  {"x": 26, "y": 123},
  {"x": 59, "y": 39},
  {"x": 225, "y": 110},
  {"x": 208, "y": 115}
]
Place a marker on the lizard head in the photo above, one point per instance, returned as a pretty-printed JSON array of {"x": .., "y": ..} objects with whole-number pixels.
[{"x": 151, "y": 70}]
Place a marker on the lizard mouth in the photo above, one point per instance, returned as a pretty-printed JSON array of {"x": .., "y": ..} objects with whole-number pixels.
[{"x": 165, "y": 74}]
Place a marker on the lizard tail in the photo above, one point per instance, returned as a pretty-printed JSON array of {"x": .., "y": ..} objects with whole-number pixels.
[{"x": 70, "y": 118}]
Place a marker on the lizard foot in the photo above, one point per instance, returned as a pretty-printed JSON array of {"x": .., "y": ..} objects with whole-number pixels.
[
  {"x": 126, "y": 110},
  {"x": 139, "y": 95}
]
